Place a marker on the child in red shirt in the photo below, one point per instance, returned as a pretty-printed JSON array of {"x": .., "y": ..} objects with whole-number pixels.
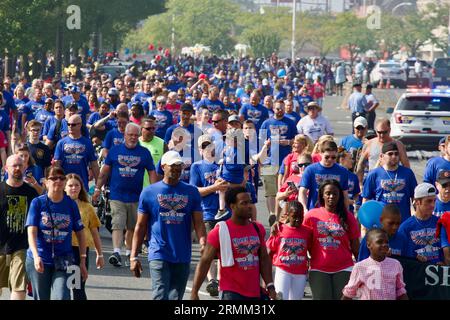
[
  {"x": 319, "y": 91},
  {"x": 288, "y": 249}
]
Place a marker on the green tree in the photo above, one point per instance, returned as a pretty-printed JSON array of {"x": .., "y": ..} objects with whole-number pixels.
[{"x": 263, "y": 42}]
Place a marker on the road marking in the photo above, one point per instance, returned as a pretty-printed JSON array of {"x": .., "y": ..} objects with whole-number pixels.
[{"x": 344, "y": 122}]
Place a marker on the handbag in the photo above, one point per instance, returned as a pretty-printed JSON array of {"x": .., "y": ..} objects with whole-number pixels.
[{"x": 60, "y": 263}]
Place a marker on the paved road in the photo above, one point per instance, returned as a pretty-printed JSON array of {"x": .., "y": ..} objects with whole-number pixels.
[{"x": 113, "y": 283}]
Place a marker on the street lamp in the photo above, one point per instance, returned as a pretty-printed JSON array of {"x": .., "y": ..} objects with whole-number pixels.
[
  {"x": 401, "y": 5},
  {"x": 294, "y": 9}
]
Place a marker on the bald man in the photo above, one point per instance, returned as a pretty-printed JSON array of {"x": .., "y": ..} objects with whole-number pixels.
[
  {"x": 14, "y": 204},
  {"x": 75, "y": 153}
]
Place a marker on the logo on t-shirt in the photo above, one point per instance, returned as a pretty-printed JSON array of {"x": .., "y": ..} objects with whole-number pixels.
[
  {"x": 74, "y": 152},
  {"x": 322, "y": 177},
  {"x": 426, "y": 239},
  {"x": 254, "y": 115},
  {"x": 16, "y": 214},
  {"x": 330, "y": 231},
  {"x": 61, "y": 221},
  {"x": 160, "y": 121},
  {"x": 393, "y": 187},
  {"x": 128, "y": 163},
  {"x": 117, "y": 141},
  {"x": 210, "y": 177},
  {"x": 293, "y": 251},
  {"x": 247, "y": 248},
  {"x": 173, "y": 203}
]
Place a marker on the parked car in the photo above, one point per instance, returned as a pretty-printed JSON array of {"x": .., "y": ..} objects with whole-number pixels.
[
  {"x": 391, "y": 70},
  {"x": 440, "y": 72},
  {"x": 421, "y": 118}
]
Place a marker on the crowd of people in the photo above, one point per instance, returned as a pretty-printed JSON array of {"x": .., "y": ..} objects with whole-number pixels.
[{"x": 182, "y": 149}]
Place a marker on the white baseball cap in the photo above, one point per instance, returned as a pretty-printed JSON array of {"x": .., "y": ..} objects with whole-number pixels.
[
  {"x": 360, "y": 121},
  {"x": 424, "y": 190},
  {"x": 170, "y": 158}
]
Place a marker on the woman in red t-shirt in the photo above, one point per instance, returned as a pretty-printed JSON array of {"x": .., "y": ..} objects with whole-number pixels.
[
  {"x": 301, "y": 145},
  {"x": 335, "y": 239}
]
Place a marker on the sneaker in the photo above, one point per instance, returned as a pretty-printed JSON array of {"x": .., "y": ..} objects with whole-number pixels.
[
  {"x": 220, "y": 214},
  {"x": 127, "y": 261},
  {"x": 272, "y": 219},
  {"x": 213, "y": 288},
  {"x": 115, "y": 259}
]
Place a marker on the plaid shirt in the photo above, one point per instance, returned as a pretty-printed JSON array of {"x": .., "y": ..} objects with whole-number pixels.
[{"x": 373, "y": 280}]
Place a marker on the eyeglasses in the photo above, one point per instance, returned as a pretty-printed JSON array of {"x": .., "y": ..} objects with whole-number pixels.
[
  {"x": 149, "y": 128},
  {"x": 330, "y": 157},
  {"x": 73, "y": 124},
  {"x": 160, "y": 102},
  {"x": 35, "y": 130},
  {"x": 217, "y": 121},
  {"x": 382, "y": 132},
  {"x": 54, "y": 179},
  {"x": 390, "y": 154}
]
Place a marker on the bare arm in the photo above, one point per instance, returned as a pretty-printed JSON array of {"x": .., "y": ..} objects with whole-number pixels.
[
  {"x": 3, "y": 156},
  {"x": 403, "y": 156},
  {"x": 32, "y": 243},
  {"x": 152, "y": 176},
  {"x": 354, "y": 246},
  {"x": 202, "y": 269},
  {"x": 360, "y": 164},
  {"x": 95, "y": 169},
  {"x": 447, "y": 256},
  {"x": 199, "y": 226},
  {"x": 303, "y": 197}
]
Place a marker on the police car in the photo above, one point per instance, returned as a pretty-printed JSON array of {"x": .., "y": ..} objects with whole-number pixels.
[{"x": 421, "y": 118}]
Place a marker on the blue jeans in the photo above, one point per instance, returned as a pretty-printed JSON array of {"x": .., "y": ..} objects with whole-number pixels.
[
  {"x": 168, "y": 279},
  {"x": 48, "y": 285}
]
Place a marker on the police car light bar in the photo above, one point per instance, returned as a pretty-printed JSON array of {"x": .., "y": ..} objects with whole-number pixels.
[{"x": 427, "y": 90}]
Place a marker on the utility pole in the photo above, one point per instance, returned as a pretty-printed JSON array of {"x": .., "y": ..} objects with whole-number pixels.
[
  {"x": 294, "y": 11},
  {"x": 172, "y": 47}
]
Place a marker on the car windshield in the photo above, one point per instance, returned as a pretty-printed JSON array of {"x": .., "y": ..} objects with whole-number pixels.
[
  {"x": 425, "y": 104},
  {"x": 389, "y": 65},
  {"x": 442, "y": 63}
]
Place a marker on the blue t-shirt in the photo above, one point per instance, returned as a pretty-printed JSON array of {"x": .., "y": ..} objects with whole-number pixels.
[
  {"x": 65, "y": 215},
  {"x": 163, "y": 122},
  {"x": 64, "y": 131},
  {"x": 4, "y": 121},
  {"x": 113, "y": 138},
  {"x": 353, "y": 187},
  {"x": 421, "y": 238},
  {"x": 233, "y": 166},
  {"x": 444, "y": 238},
  {"x": 95, "y": 116},
  {"x": 10, "y": 104},
  {"x": 303, "y": 102},
  {"x": 440, "y": 207},
  {"x": 315, "y": 174},
  {"x": 170, "y": 210},
  {"x": 75, "y": 156},
  {"x": 397, "y": 246},
  {"x": 294, "y": 116},
  {"x": 204, "y": 174},
  {"x": 433, "y": 168},
  {"x": 141, "y": 97},
  {"x": 20, "y": 104},
  {"x": 278, "y": 130},
  {"x": 393, "y": 187},
  {"x": 83, "y": 106},
  {"x": 31, "y": 108},
  {"x": 351, "y": 143},
  {"x": 211, "y": 105},
  {"x": 43, "y": 115},
  {"x": 127, "y": 171},
  {"x": 256, "y": 114}
]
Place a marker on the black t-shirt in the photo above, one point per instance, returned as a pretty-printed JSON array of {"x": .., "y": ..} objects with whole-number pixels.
[
  {"x": 14, "y": 206},
  {"x": 41, "y": 154}
]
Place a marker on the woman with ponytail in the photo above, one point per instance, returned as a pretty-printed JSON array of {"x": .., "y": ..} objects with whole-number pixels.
[{"x": 335, "y": 239}]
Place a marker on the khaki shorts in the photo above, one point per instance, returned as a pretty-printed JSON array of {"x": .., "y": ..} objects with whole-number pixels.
[
  {"x": 269, "y": 176},
  {"x": 124, "y": 215},
  {"x": 12, "y": 271}
]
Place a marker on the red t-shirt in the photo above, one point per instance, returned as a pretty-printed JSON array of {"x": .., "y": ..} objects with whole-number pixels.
[
  {"x": 330, "y": 250},
  {"x": 319, "y": 90},
  {"x": 244, "y": 276},
  {"x": 316, "y": 157},
  {"x": 174, "y": 110},
  {"x": 294, "y": 178},
  {"x": 290, "y": 247},
  {"x": 290, "y": 164},
  {"x": 3, "y": 140}
]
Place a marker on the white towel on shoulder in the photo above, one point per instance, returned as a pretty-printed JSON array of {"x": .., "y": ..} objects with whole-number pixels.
[{"x": 226, "y": 252}]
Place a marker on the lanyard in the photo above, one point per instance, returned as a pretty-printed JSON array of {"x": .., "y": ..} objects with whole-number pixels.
[{"x": 393, "y": 180}]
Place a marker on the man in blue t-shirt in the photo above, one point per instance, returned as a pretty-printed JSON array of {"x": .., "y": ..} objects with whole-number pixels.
[
  {"x": 315, "y": 174},
  {"x": 437, "y": 164},
  {"x": 163, "y": 117},
  {"x": 212, "y": 102},
  {"x": 420, "y": 229},
  {"x": 75, "y": 153},
  {"x": 355, "y": 141},
  {"x": 254, "y": 111},
  {"x": 168, "y": 209},
  {"x": 115, "y": 136},
  {"x": 83, "y": 105},
  {"x": 125, "y": 165},
  {"x": 391, "y": 183}
]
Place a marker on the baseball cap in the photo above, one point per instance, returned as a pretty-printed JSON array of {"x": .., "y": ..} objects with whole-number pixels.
[
  {"x": 389, "y": 146},
  {"x": 360, "y": 121},
  {"x": 74, "y": 89},
  {"x": 443, "y": 177},
  {"x": 187, "y": 107},
  {"x": 424, "y": 190},
  {"x": 233, "y": 118},
  {"x": 442, "y": 141},
  {"x": 113, "y": 92},
  {"x": 265, "y": 82},
  {"x": 204, "y": 138},
  {"x": 170, "y": 158}
]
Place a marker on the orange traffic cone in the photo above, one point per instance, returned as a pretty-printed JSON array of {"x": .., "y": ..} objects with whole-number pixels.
[
  {"x": 388, "y": 84},
  {"x": 380, "y": 84}
]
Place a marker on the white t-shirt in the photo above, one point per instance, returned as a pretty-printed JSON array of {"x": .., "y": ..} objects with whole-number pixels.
[
  {"x": 371, "y": 101},
  {"x": 314, "y": 128},
  {"x": 417, "y": 67}
]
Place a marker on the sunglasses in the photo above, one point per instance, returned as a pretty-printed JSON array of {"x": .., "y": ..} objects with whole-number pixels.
[
  {"x": 73, "y": 124},
  {"x": 217, "y": 121},
  {"x": 360, "y": 128},
  {"x": 303, "y": 165},
  {"x": 330, "y": 157},
  {"x": 383, "y": 132},
  {"x": 205, "y": 145},
  {"x": 60, "y": 178},
  {"x": 149, "y": 128}
]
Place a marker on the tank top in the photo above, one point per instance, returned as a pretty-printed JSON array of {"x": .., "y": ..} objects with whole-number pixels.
[{"x": 156, "y": 148}]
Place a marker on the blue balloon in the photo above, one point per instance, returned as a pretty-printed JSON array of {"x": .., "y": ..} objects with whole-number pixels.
[
  {"x": 281, "y": 73},
  {"x": 369, "y": 214},
  {"x": 91, "y": 190}
]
